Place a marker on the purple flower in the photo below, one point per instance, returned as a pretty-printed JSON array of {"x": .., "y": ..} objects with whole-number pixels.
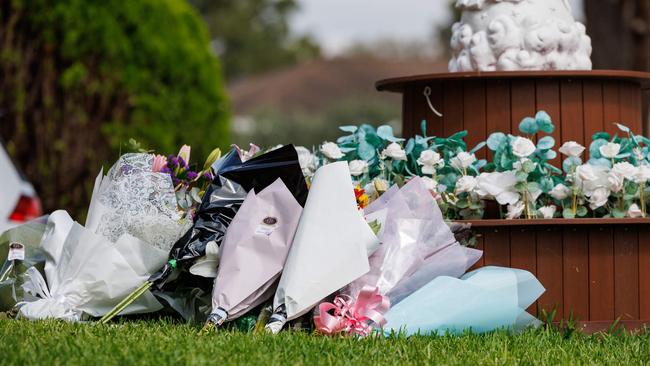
[
  {"x": 182, "y": 162},
  {"x": 208, "y": 176},
  {"x": 191, "y": 175},
  {"x": 172, "y": 161},
  {"x": 176, "y": 181}
]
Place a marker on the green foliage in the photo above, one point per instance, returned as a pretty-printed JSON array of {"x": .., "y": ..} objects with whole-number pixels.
[
  {"x": 163, "y": 342},
  {"x": 84, "y": 77},
  {"x": 253, "y": 36}
]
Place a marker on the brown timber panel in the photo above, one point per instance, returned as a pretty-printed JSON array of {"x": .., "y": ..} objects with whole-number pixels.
[
  {"x": 474, "y": 114},
  {"x": 626, "y": 273},
  {"x": 497, "y": 247},
  {"x": 601, "y": 273},
  {"x": 480, "y": 245},
  {"x": 523, "y": 253},
  {"x": 549, "y": 270},
  {"x": 630, "y": 107},
  {"x": 497, "y": 106},
  {"x": 576, "y": 273},
  {"x": 523, "y": 103},
  {"x": 611, "y": 105},
  {"x": 453, "y": 108},
  {"x": 572, "y": 112},
  {"x": 644, "y": 272},
  {"x": 408, "y": 108},
  {"x": 548, "y": 99},
  {"x": 593, "y": 109}
]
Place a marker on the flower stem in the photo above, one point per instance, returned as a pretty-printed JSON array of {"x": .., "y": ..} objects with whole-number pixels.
[{"x": 126, "y": 302}]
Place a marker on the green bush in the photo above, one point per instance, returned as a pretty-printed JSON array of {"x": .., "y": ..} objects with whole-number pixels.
[{"x": 81, "y": 77}]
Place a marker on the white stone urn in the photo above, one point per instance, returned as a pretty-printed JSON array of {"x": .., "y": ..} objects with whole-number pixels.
[{"x": 510, "y": 35}]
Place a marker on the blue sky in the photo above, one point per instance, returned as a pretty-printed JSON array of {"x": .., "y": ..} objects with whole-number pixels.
[{"x": 339, "y": 23}]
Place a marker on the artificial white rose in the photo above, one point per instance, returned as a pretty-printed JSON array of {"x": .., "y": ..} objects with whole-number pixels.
[
  {"x": 463, "y": 160},
  {"x": 615, "y": 182},
  {"x": 572, "y": 149},
  {"x": 634, "y": 211},
  {"x": 610, "y": 150},
  {"x": 498, "y": 185},
  {"x": 560, "y": 192},
  {"x": 548, "y": 212},
  {"x": 642, "y": 174},
  {"x": 625, "y": 170},
  {"x": 599, "y": 198},
  {"x": 430, "y": 160},
  {"x": 523, "y": 147},
  {"x": 358, "y": 167},
  {"x": 307, "y": 161},
  {"x": 394, "y": 151},
  {"x": 466, "y": 184},
  {"x": 331, "y": 151},
  {"x": 431, "y": 184},
  {"x": 515, "y": 210},
  {"x": 586, "y": 172}
]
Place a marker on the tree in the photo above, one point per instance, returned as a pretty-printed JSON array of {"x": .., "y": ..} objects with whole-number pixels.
[
  {"x": 80, "y": 78},
  {"x": 253, "y": 36}
]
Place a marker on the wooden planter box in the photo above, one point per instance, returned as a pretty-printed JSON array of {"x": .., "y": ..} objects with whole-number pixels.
[{"x": 595, "y": 270}]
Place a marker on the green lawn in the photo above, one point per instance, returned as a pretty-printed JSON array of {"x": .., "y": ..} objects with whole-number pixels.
[{"x": 162, "y": 343}]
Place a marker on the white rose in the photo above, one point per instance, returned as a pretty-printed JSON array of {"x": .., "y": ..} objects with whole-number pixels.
[
  {"x": 610, "y": 150},
  {"x": 465, "y": 184},
  {"x": 599, "y": 198},
  {"x": 615, "y": 182},
  {"x": 635, "y": 212},
  {"x": 430, "y": 160},
  {"x": 560, "y": 192},
  {"x": 515, "y": 210},
  {"x": 307, "y": 160},
  {"x": 358, "y": 167},
  {"x": 394, "y": 151},
  {"x": 331, "y": 151},
  {"x": 463, "y": 160},
  {"x": 572, "y": 149},
  {"x": 431, "y": 184},
  {"x": 500, "y": 186},
  {"x": 642, "y": 174},
  {"x": 625, "y": 170},
  {"x": 586, "y": 172},
  {"x": 523, "y": 147},
  {"x": 548, "y": 212}
]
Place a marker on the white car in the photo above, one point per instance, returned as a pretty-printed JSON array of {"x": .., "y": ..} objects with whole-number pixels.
[{"x": 18, "y": 200}]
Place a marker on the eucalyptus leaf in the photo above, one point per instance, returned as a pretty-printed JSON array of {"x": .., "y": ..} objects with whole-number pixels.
[
  {"x": 528, "y": 126},
  {"x": 544, "y": 122},
  {"x": 622, "y": 127},
  {"x": 350, "y": 129},
  {"x": 618, "y": 213},
  {"x": 582, "y": 211},
  {"x": 568, "y": 213},
  {"x": 496, "y": 140},
  {"x": 386, "y": 133},
  {"x": 423, "y": 127},
  {"x": 366, "y": 151},
  {"x": 571, "y": 163},
  {"x": 534, "y": 187},
  {"x": 478, "y": 147},
  {"x": 458, "y": 136},
  {"x": 546, "y": 143},
  {"x": 601, "y": 136}
]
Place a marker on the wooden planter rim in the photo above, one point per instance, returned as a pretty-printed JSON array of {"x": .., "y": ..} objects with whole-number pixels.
[
  {"x": 555, "y": 222},
  {"x": 398, "y": 84}
]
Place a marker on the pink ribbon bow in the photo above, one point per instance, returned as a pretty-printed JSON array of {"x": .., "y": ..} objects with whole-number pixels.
[{"x": 345, "y": 315}]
